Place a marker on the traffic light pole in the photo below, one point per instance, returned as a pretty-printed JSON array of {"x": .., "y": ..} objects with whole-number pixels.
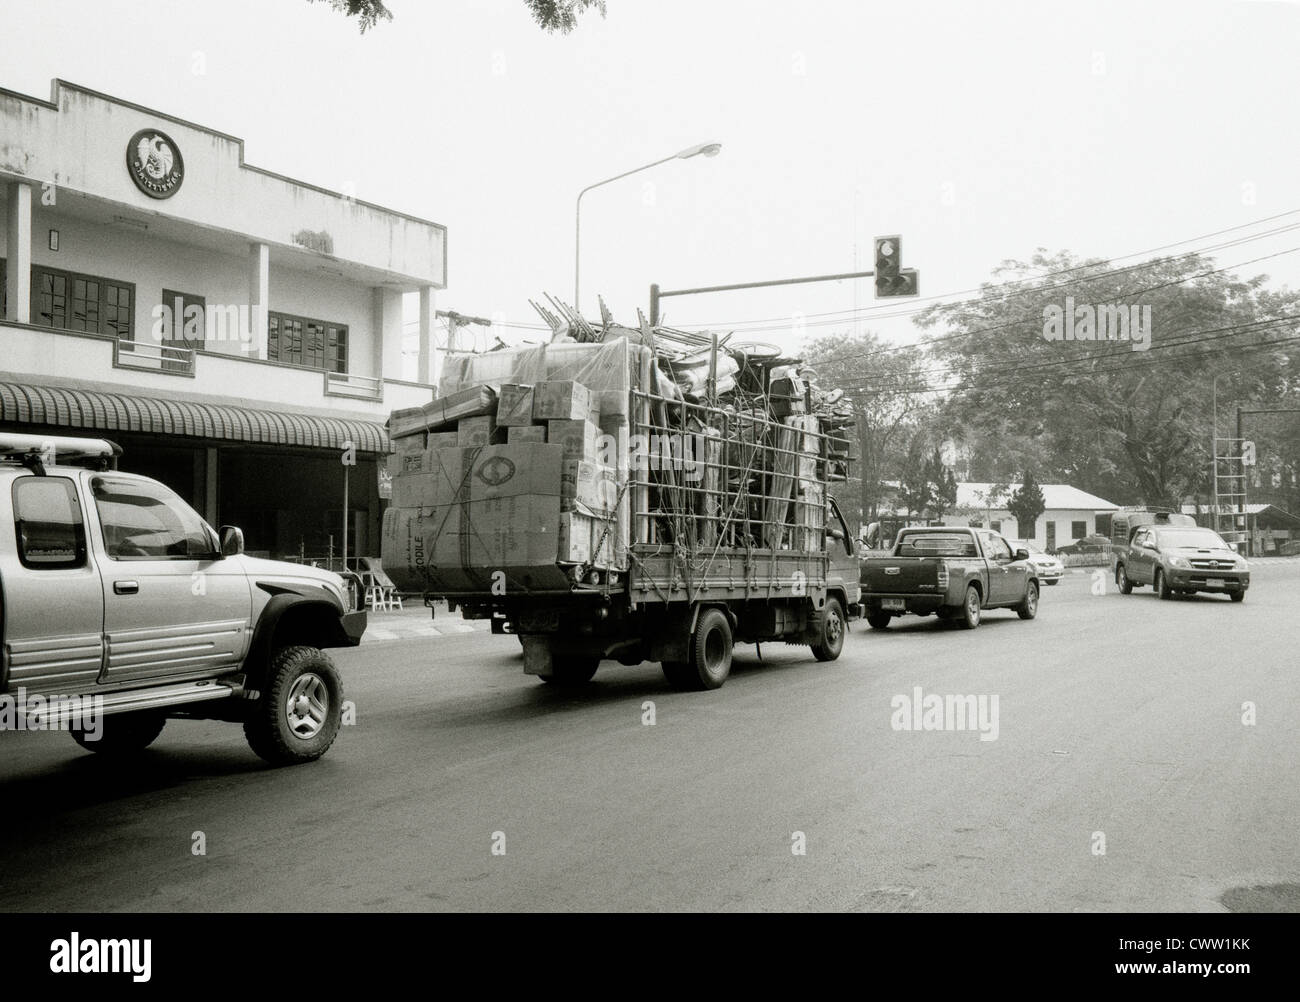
[{"x": 657, "y": 294}]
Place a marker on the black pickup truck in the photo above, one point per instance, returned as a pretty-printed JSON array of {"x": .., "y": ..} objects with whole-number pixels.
[{"x": 954, "y": 573}]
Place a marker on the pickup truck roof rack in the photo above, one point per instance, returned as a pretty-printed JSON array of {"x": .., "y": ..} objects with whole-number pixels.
[{"x": 36, "y": 452}]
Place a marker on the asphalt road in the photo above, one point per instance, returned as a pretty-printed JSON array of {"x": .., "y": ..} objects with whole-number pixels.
[{"x": 1119, "y": 718}]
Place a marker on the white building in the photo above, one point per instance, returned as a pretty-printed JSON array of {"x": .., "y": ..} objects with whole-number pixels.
[
  {"x": 284, "y": 337},
  {"x": 1068, "y": 514}
]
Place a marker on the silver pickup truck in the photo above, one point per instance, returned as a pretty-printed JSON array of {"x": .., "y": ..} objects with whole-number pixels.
[{"x": 120, "y": 607}]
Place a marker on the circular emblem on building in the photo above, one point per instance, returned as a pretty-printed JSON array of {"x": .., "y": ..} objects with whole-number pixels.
[
  {"x": 496, "y": 471},
  {"x": 155, "y": 163}
]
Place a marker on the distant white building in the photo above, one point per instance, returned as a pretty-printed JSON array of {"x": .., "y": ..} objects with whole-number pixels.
[{"x": 1069, "y": 513}]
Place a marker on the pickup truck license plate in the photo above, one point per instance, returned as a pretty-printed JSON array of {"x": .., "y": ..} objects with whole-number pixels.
[
  {"x": 1214, "y": 582},
  {"x": 893, "y": 603}
]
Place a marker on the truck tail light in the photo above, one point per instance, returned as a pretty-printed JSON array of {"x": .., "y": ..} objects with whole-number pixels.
[{"x": 943, "y": 575}]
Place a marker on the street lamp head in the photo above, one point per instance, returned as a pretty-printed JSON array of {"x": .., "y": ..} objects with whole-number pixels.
[{"x": 708, "y": 149}]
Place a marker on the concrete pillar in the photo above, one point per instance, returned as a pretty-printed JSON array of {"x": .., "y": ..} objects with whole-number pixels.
[
  {"x": 429, "y": 367},
  {"x": 210, "y": 486},
  {"x": 259, "y": 297},
  {"x": 18, "y": 254},
  {"x": 386, "y": 323}
]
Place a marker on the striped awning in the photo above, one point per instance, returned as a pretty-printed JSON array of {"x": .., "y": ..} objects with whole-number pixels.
[{"x": 62, "y": 406}]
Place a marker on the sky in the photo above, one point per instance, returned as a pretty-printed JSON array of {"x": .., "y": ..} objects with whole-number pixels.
[{"x": 977, "y": 131}]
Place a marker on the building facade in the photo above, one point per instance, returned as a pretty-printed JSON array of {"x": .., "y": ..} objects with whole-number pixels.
[{"x": 238, "y": 332}]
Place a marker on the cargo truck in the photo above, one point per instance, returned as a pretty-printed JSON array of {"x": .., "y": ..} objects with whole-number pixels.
[{"x": 618, "y": 501}]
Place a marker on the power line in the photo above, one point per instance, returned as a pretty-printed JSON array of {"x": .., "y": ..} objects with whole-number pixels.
[
  {"x": 738, "y": 326},
  {"x": 888, "y": 349}
]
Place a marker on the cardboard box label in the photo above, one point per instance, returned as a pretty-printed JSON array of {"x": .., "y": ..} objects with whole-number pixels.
[
  {"x": 515, "y": 405},
  {"x": 560, "y": 400},
  {"x": 526, "y": 433}
]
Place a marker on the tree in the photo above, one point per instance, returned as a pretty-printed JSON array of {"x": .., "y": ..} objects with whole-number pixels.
[
  {"x": 884, "y": 384},
  {"x": 367, "y": 12},
  {"x": 561, "y": 15},
  {"x": 1026, "y": 504},
  {"x": 551, "y": 15},
  {"x": 1132, "y": 426},
  {"x": 943, "y": 494}
]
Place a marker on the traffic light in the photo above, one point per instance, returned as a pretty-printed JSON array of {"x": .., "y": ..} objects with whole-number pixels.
[{"x": 891, "y": 280}]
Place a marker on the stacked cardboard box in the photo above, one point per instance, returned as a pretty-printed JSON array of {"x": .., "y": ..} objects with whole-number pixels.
[{"x": 516, "y": 487}]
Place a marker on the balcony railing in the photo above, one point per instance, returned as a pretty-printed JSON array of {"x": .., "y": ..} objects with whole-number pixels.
[
  {"x": 145, "y": 365},
  {"x": 154, "y": 357},
  {"x": 342, "y": 384}
]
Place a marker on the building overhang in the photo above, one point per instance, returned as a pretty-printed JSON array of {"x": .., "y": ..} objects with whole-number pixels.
[{"x": 105, "y": 411}]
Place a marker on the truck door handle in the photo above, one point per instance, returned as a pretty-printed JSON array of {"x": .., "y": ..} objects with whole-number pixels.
[{"x": 126, "y": 587}]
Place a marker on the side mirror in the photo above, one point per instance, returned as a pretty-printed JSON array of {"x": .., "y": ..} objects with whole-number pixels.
[
  {"x": 232, "y": 540},
  {"x": 1022, "y": 554}
]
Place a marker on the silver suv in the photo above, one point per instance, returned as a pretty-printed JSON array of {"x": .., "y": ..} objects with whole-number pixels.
[{"x": 120, "y": 607}]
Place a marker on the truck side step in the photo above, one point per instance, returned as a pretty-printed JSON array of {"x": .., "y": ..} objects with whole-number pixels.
[{"x": 54, "y": 711}]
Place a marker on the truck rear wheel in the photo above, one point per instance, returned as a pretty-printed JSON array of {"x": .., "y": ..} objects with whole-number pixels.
[
  {"x": 878, "y": 620},
  {"x": 832, "y": 641},
  {"x": 122, "y": 733},
  {"x": 710, "y": 655},
  {"x": 296, "y": 718},
  {"x": 970, "y": 609}
]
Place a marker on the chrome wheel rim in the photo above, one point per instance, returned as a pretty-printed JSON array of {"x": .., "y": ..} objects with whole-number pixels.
[
  {"x": 1032, "y": 599},
  {"x": 307, "y": 706},
  {"x": 973, "y": 605}
]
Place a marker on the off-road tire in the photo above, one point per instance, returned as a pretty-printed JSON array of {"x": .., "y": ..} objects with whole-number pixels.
[
  {"x": 278, "y": 733},
  {"x": 834, "y": 626},
  {"x": 123, "y": 733}
]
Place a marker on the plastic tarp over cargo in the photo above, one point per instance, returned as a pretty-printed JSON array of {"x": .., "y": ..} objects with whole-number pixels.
[{"x": 611, "y": 365}]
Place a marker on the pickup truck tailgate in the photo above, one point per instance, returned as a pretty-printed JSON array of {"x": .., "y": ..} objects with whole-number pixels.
[{"x": 901, "y": 575}]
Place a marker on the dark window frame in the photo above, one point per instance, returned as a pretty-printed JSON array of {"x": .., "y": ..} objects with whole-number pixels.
[
  {"x": 325, "y": 342},
  {"x": 79, "y": 548},
  {"x": 103, "y": 286}
]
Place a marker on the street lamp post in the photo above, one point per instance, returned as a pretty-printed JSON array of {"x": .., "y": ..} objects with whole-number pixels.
[{"x": 707, "y": 149}]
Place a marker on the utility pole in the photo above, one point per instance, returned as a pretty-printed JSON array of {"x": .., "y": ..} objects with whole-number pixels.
[{"x": 456, "y": 320}]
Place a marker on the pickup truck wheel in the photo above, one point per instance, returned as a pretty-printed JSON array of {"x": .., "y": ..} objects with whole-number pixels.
[
  {"x": 573, "y": 669},
  {"x": 296, "y": 718},
  {"x": 970, "y": 609},
  {"x": 1237, "y": 596},
  {"x": 832, "y": 641},
  {"x": 710, "y": 658},
  {"x": 122, "y": 733},
  {"x": 1028, "y": 609},
  {"x": 1161, "y": 585},
  {"x": 878, "y": 620},
  {"x": 1122, "y": 579}
]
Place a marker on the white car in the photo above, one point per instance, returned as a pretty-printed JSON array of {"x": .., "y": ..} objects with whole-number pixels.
[{"x": 1050, "y": 570}]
